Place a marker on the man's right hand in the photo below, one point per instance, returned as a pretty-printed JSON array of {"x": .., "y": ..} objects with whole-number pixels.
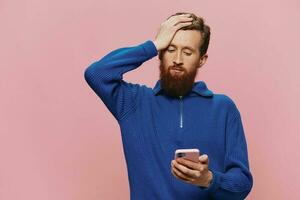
[{"x": 168, "y": 29}]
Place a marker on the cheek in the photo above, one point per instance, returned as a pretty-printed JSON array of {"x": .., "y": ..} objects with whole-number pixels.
[
  {"x": 191, "y": 65},
  {"x": 167, "y": 64},
  {"x": 167, "y": 58}
]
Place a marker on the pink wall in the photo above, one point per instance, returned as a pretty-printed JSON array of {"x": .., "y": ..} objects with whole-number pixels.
[{"x": 57, "y": 139}]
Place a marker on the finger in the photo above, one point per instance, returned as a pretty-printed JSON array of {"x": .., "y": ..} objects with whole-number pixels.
[
  {"x": 186, "y": 171},
  {"x": 204, "y": 159},
  {"x": 180, "y": 18},
  {"x": 184, "y": 17},
  {"x": 182, "y": 24},
  {"x": 188, "y": 163},
  {"x": 180, "y": 175}
]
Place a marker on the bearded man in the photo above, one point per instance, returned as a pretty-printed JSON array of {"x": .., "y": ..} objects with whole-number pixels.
[{"x": 178, "y": 113}]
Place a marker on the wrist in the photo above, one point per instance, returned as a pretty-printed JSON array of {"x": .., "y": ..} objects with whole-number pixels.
[
  {"x": 158, "y": 48},
  {"x": 209, "y": 178}
]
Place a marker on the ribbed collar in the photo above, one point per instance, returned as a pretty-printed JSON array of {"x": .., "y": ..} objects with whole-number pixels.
[{"x": 199, "y": 88}]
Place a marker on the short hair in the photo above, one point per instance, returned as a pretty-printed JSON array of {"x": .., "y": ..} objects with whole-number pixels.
[{"x": 198, "y": 24}]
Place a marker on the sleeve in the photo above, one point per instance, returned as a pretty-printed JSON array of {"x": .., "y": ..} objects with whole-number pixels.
[
  {"x": 105, "y": 77},
  {"x": 236, "y": 181}
]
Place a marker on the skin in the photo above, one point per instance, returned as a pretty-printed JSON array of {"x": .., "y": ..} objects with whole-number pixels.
[
  {"x": 182, "y": 51},
  {"x": 196, "y": 173},
  {"x": 179, "y": 63},
  {"x": 181, "y": 46}
]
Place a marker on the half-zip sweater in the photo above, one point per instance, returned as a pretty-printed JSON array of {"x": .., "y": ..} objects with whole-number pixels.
[{"x": 153, "y": 125}]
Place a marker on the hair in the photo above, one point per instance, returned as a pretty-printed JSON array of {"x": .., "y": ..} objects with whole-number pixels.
[{"x": 198, "y": 24}]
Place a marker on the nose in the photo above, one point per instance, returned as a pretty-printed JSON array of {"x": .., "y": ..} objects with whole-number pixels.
[{"x": 178, "y": 60}]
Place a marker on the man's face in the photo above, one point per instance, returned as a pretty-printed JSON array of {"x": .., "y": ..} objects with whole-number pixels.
[{"x": 180, "y": 62}]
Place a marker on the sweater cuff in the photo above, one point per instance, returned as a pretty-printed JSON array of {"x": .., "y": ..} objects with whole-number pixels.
[
  {"x": 149, "y": 49},
  {"x": 215, "y": 182}
]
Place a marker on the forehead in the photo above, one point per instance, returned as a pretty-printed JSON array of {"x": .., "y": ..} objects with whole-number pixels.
[{"x": 187, "y": 38}]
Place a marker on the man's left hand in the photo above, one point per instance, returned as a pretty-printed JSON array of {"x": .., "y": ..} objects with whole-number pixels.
[{"x": 196, "y": 173}]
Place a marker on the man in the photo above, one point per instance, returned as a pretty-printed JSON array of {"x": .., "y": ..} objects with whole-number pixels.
[{"x": 177, "y": 114}]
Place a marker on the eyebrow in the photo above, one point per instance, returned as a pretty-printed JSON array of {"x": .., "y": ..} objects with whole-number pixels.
[{"x": 185, "y": 47}]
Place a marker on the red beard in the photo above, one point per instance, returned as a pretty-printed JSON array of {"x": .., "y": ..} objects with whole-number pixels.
[{"x": 176, "y": 83}]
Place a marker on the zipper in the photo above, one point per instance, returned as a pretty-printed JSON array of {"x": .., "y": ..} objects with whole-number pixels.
[{"x": 181, "y": 112}]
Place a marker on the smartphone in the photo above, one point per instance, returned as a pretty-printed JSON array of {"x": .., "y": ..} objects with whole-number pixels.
[{"x": 190, "y": 154}]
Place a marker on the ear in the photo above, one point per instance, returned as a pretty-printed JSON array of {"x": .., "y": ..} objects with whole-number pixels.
[{"x": 202, "y": 60}]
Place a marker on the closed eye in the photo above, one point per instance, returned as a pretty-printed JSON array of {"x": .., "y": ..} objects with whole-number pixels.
[{"x": 186, "y": 53}]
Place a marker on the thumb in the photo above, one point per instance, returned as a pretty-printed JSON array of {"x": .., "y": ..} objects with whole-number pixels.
[{"x": 203, "y": 158}]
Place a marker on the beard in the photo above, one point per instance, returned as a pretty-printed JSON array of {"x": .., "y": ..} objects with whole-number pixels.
[{"x": 179, "y": 83}]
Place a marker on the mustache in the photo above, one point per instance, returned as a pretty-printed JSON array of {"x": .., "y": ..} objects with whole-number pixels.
[{"x": 176, "y": 67}]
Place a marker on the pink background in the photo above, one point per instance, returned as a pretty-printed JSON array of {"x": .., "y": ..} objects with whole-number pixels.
[{"x": 58, "y": 140}]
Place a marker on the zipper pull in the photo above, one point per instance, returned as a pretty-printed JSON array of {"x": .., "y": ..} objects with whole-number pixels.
[{"x": 181, "y": 112}]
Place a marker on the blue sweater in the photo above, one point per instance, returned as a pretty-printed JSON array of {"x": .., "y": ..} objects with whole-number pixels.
[{"x": 153, "y": 125}]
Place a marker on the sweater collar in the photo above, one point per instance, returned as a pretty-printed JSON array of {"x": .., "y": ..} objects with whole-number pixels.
[{"x": 199, "y": 88}]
